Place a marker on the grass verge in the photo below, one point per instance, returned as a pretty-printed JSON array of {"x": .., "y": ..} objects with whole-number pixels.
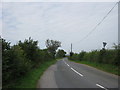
[
  {"x": 104, "y": 67},
  {"x": 30, "y": 80}
]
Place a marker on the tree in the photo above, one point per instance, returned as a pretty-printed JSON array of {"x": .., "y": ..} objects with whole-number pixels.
[
  {"x": 14, "y": 63},
  {"x": 52, "y": 46},
  {"x": 60, "y": 53},
  {"x": 102, "y": 55},
  {"x": 5, "y": 60},
  {"x": 81, "y": 55},
  {"x": 117, "y": 48},
  {"x": 31, "y": 49},
  {"x": 71, "y": 54},
  {"x": 5, "y": 45},
  {"x": 18, "y": 59}
]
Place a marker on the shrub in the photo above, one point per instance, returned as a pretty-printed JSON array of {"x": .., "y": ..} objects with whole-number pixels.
[
  {"x": 14, "y": 64},
  {"x": 102, "y": 56},
  {"x": 81, "y": 55}
]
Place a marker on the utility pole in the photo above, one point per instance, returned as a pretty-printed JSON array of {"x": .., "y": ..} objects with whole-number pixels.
[
  {"x": 71, "y": 47},
  {"x": 71, "y": 53}
]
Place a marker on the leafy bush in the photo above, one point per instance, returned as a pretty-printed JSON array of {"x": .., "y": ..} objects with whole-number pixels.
[
  {"x": 14, "y": 64},
  {"x": 18, "y": 59},
  {"x": 60, "y": 54},
  {"x": 81, "y": 55},
  {"x": 102, "y": 56},
  {"x": 74, "y": 57},
  {"x": 31, "y": 49}
]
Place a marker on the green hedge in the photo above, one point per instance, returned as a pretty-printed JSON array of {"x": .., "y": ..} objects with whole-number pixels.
[
  {"x": 99, "y": 56},
  {"x": 21, "y": 58},
  {"x": 106, "y": 60}
]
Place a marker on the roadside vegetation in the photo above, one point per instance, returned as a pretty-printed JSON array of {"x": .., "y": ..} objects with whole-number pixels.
[
  {"x": 106, "y": 60},
  {"x": 24, "y": 63},
  {"x": 60, "y": 53},
  {"x": 30, "y": 79}
]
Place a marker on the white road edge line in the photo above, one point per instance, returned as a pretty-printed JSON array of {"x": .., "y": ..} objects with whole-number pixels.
[
  {"x": 77, "y": 72},
  {"x": 101, "y": 86}
]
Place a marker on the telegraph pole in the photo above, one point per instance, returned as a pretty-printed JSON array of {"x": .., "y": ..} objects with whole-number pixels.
[
  {"x": 71, "y": 53},
  {"x": 71, "y": 47}
]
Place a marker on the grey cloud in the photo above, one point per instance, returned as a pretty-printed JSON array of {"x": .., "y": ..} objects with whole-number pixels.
[{"x": 66, "y": 22}]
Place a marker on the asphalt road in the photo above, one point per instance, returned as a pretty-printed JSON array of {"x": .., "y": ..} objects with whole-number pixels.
[{"x": 67, "y": 74}]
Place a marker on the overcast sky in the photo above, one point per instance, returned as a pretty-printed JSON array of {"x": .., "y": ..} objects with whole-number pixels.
[{"x": 66, "y": 22}]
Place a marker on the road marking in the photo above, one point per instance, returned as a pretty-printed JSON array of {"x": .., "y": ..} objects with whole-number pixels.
[
  {"x": 73, "y": 69},
  {"x": 82, "y": 76},
  {"x": 77, "y": 72},
  {"x": 68, "y": 65},
  {"x": 63, "y": 61},
  {"x": 101, "y": 86}
]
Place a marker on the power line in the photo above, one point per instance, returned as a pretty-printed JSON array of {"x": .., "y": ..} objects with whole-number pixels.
[{"x": 99, "y": 22}]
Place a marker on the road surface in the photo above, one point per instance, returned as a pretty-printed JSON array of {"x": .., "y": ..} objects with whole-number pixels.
[{"x": 67, "y": 74}]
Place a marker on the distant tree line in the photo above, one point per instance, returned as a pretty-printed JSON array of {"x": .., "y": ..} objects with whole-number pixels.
[
  {"x": 18, "y": 59},
  {"x": 104, "y": 56}
]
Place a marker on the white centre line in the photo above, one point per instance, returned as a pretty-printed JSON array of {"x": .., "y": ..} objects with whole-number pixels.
[
  {"x": 65, "y": 62},
  {"x": 77, "y": 72},
  {"x": 73, "y": 69},
  {"x": 101, "y": 86},
  {"x": 82, "y": 76},
  {"x": 68, "y": 65}
]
